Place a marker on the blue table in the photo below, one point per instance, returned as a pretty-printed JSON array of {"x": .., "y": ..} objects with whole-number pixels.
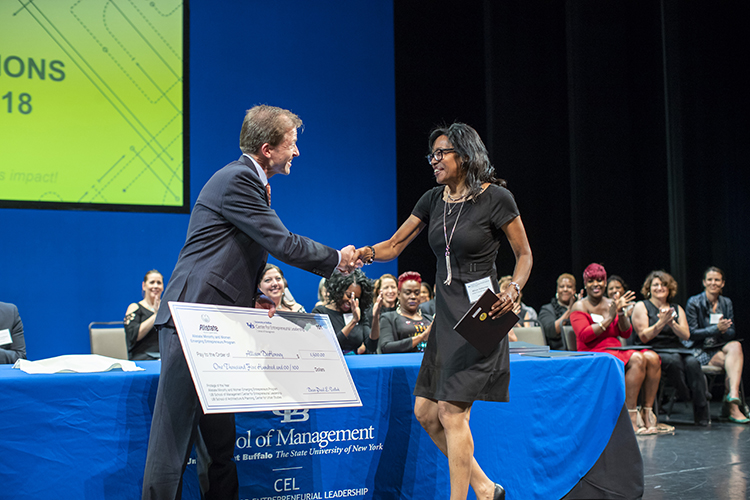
[{"x": 84, "y": 436}]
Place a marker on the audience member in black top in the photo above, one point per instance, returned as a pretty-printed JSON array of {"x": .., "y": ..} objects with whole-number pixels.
[
  {"x": 427, "y": 299},
  {"x": 273, "y": 285},
  {"x": 554, "y": 315},
  {"x": 663, "y": 325},
  {"x": 142, "y": 337},
  {"x": 406, "y": 329},
  {"x": 710, "y": 317},
  {"x": 349, "y": 297}
]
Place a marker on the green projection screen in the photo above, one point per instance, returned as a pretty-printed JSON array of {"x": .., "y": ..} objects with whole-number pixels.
[{"x": 92, "y": 105}]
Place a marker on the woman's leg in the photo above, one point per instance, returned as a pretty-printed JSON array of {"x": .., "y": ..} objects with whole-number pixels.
[
  {"x": 635, "y": 372},
  {"x": 653, "y": 377},
  {"x": 731, "y": 359},
  {"x": 448, "y": 426},
  {"x": 650, "y": 388}
]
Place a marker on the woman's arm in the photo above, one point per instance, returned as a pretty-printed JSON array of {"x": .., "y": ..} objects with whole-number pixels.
[
  {"x": 136, "y": 331},
  {"x": 640, "y": 322},
  {"x": 519, "y": 243},
  {"x": 390, "y": 249},
  {"x": 680, "y": 326}
]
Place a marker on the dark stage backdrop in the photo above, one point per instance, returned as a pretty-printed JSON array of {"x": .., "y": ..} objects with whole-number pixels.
[
  {"x": 621, "y": 128},
  {"x": 330, "y": 62}
]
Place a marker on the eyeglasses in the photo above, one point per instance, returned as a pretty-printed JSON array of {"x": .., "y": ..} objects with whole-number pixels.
[{"x": 438, "y": 154}]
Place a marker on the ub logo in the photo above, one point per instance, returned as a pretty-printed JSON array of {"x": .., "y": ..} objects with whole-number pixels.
[
  {"x": 250, "y": 325},
  {"x": 205, "y": 318},
  {"x": 293, "y": 415}
]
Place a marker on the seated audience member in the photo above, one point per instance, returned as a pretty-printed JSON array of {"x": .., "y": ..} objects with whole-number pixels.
[
  {"x": 322, "y": 293},
  {"x": 710, "y": 318},
  {"x": 663, "y": 325},
  {"x": 527, "y": 315},
  {"x": 554, "y": 315},
  {"x": 348, "y": 299},
  {"x": 616, "y": 284},
  {"x": 387, "y": 288},
  {"x": 425, "y": 292},
  {"x": 273, "y": 285},
  {"x": 598, "y": 322},
  {"x": 142, "y": 337},
  {"x": 406, "y": 329},
  {"x": 12, "y": 342},
  {"x": 427, "y": 299}
]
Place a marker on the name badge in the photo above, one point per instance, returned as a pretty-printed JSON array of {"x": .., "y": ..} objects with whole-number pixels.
[
  {"x": 597, "y": 318},
  {"x": 5, "y": 337},
  {"x": 475, "y": 289},
  {"x": 715, "y": 317}
]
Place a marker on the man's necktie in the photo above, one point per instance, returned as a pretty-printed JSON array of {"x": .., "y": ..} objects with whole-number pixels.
[{"x": 268, "y": 192}]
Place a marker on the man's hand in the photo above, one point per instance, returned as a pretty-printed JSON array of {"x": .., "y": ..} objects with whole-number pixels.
[
  {"x": 263, "y": 302},
  {"x": 350, "y": 259}
]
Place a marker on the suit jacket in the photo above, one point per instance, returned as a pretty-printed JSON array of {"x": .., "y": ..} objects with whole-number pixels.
[
  {"x": 231, "y": 232},
  {"x": 10, "y": 319}
]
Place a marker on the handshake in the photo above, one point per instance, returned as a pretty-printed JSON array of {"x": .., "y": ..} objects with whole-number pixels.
[{"x": 354, "y": 258}]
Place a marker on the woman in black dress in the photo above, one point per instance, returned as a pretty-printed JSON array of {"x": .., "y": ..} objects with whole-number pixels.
[
  {"x": 142, "y": 337},
  {"x": 467, "y": 216}
]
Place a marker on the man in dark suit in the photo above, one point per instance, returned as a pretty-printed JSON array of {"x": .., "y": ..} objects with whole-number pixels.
[
  {"x": 232, "y": 230},
  {"x": 12, "y": 343}
]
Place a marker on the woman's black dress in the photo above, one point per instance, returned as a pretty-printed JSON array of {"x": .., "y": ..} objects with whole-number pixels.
[{"x": 452, "y": 369}]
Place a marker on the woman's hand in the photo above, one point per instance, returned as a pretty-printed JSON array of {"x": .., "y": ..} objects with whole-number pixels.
[
  {"x": 377, "y": 305},
  {"x": 356, "y": 313},
  {"x": 504, "y": 303},
  {"x": 666, "y": 316},
  {"x": 157, "y": 303},
  {"x": 625, "y": 301},
  {"x": 723, "y": 325}
]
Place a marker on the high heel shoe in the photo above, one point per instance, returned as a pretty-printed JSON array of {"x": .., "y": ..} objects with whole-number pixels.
[
  {"x": 499, "y": 492},
  {"x": 656, "y": 428},
  {"x": 642, "y": 430}
]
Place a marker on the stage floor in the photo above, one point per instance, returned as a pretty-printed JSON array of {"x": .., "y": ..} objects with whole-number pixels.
[{"x": 697, "y": 463}]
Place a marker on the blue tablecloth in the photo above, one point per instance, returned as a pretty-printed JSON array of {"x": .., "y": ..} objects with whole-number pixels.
[{"x": 84, "y": 436}]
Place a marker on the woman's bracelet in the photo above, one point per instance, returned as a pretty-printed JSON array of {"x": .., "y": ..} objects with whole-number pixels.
[
  {"x": 372, "y": 257},
  {"x": 518, "y": 288}
]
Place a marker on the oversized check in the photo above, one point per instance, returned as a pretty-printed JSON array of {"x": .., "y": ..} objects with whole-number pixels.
[{"x": 242, "y": 360}]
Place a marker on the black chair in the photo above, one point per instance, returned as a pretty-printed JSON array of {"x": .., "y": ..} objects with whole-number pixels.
[{"x": 568, "y": 338}]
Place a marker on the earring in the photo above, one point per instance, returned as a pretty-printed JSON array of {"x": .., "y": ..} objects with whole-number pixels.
[{"x": 557, "y": 296}]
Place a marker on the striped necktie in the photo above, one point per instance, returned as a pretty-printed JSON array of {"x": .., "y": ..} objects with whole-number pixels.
[{"x": 268, "y": 192}]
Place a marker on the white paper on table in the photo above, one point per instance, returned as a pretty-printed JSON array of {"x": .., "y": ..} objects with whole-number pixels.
[
  {"x": 76, "y": 363},
  {"x": 241, "y": 360}
]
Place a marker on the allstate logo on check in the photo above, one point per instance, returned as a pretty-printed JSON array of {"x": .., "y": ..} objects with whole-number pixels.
[{"x": 205, "y": 318}]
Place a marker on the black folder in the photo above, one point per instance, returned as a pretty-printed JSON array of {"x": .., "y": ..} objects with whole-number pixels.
[{"x": 481, "y": 331}]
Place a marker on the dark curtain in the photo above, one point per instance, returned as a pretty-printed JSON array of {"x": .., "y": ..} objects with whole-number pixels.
[{"x": 621, "y": 128}]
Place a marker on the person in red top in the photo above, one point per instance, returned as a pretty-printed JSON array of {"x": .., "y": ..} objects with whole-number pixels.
[{"x": 598, "y": 321}]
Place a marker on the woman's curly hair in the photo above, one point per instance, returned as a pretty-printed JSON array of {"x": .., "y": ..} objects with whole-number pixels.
[{"x": 338, "y": 283}]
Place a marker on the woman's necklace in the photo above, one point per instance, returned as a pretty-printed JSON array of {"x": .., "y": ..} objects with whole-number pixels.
[
  {"x": 418, "y": 314},
  {"x": 449, "y": 278},
  {"x": 454, "y": 200}
]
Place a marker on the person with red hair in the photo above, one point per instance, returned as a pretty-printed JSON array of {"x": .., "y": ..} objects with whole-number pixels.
[
  {"x": 407, "y": 328},
  {"x": 598, "y": 321}
]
